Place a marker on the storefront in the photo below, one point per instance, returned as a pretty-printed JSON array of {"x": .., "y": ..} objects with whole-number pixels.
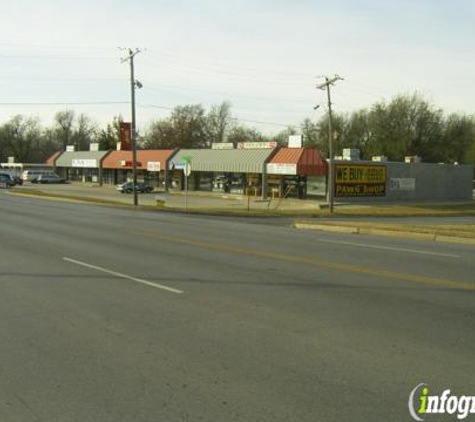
[
  {"x": 291, "y": 171},
  {"x": 238, "y": 171},
  {"x": 82, "y": 166},
  {"x": 151, "y": 166}
]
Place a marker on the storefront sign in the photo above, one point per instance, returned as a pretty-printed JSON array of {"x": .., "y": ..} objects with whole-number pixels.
[
  {"x": 125, "y": 136},
  {"x": 94, "y": 147},
  {"x": 222, "y": 145},
  {"x": 360, "y": 180},
  {"x": 153, "y": 166},
  {"x": 295, "y": 141},
  {"x": 70, "y": 148},
  {"x": 273, "y": 168},
  {"x": 130, "y": 163},
  {"x": 402, "y": 184},
  {"x": 256, "y": 145},
  {"x": 84, "y": 163}
]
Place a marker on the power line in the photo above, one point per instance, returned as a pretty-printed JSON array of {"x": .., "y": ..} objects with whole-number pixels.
[
  {"x": 188, "y": 69},
  {"x": 234, "y": 118},
  {"x": 229, "y": 95},
  {"x": 56, "y": 57},
  {"x": 98, "y": 103},
  {"x": 207, "y": 64},
  {"x": 63, "y": 103}
]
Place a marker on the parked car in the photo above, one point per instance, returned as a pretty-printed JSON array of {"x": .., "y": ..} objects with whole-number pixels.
[
  {"x": 141, "y": 187},
  {"x": 17, "y": 179},
  {"x": 6, "y": 180},
  {"x": 49, "y": 178},
  {"x": 30, "y": 175},
  {"x": 14, "y": 180}
]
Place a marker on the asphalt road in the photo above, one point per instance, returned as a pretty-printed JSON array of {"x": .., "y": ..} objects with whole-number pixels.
[{"x": 121, "y": 315}]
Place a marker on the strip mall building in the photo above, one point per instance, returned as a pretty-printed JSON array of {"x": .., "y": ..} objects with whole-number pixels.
[
  {"x": 261, "y": 172},
  {"x": 270, "y": 172}
]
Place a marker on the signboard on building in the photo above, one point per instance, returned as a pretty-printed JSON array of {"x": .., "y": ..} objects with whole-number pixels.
[
  {"x": 84, "y": 163},
  {"x": 351, "y": 154},
  {"x": 295, "y": 141},
  {"x": 274, "y": 168},
  {"x": 125, "y": 136},
  {"x": 130, "y": 163},
  {"x": 402, "y": 184},
  {"x": 257, "y": 145},
  {"x": 70, "y": 148},
  {"x": 11, "y": 160},
  {"x": 94, "y": 147},
  {"x": 412, "y": 159},
  {"x": 222, "y": 145},
  {"x": 352, "y": 180},
  {"x": 153, "y": 166}
]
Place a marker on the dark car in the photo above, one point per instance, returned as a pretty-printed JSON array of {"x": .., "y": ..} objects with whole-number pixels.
[
  {"x": 14, "y": 178},
  {"x": 6, "y": 180},
  {"x": 17, "y": 179},
  {"x": 128, "y": 187},
  {"x": 49, "y": 178}
]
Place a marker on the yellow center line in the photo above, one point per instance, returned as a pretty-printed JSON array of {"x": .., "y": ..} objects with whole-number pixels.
[{"x": 414, "y": 278}]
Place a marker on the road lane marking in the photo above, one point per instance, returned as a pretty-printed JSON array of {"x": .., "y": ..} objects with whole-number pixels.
[
  {"x": 120, "y": 275},
  {"x": 390, "y": 248},
  {"x": 414, "y": 278}
]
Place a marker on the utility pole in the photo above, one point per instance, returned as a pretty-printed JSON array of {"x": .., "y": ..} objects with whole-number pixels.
[
  {"x": 331, "y": 171},
  {"x": 133, "y": 136}
]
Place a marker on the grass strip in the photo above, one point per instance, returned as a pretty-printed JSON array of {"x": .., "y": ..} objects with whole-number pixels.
[{"x": 465, "y": 231}]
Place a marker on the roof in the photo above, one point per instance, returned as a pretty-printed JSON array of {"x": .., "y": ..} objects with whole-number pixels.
[
  {"x": 287, "y": 156},
  {"x": 300, "y": 161},
  {"x": 226, "y": 161},
  {"x": 84, "y": 159},
  {"x": 51, "y": 160},
  {"x": 123, "y": 159}
]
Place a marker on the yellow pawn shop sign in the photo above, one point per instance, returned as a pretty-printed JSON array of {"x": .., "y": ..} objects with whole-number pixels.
[{"x": 353, "y": 180}]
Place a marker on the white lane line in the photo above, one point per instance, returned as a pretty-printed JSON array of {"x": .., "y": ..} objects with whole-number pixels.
[
  {"x": 390, "y": 248},
  {"x": 120, "y": 275}
]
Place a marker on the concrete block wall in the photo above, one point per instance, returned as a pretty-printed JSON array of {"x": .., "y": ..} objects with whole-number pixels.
[{"x": 432, "y": 182}]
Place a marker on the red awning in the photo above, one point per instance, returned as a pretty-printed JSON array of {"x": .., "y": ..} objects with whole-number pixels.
[{"x": 309, "y": 161}]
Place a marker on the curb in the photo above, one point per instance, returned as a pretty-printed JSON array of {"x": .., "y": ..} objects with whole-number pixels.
[
  {"x": 454, "y": 239},
  {"x": 75, "y": 200},
  {"x": 322, "y": 227},
  {"x": 395, "y": 233},
  {"x": 433, "y": 237}
]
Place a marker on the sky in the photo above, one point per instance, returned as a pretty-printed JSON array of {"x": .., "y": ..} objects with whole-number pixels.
[{"x": 265, "y": 57}]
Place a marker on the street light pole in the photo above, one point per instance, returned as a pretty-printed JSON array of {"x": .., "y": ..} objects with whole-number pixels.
[{"x": 331, "y": 170}]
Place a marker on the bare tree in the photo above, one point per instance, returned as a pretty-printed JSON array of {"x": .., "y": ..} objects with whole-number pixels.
[
  {"x": 220, "y": 121},
  {"x": 84, "y": 132},
  {"x": 64, "y": 126}
]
